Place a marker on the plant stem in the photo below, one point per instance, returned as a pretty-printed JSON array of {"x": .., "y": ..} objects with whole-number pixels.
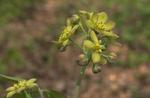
[
  {"x": 41, "y": 93},
  {"x": 27, "y": 95},
  {"x": 81, "y": 75},
  {"x": 77, "y": 44},
  {"x": 82, "y": 29},
  {"x": 79, "y": 81}
]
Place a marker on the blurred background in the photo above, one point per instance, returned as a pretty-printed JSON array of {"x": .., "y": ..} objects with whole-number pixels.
[{"x": 27, "y": 28}]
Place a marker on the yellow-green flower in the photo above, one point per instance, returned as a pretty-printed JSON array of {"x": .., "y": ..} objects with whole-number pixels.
[
  {"x": 99, "y": 22},
  {"x": 110, "y": 36},
  {"x": 14, "y": 89},
  {"x": 95, "y": 46},
  {"x": 87, "y": 15},
  {"x": 66, "y": 34},
  {"x": 21, "y": 86},
  {"x": 29, "y": 84}
]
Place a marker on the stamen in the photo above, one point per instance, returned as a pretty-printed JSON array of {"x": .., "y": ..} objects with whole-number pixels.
[
  {"x": 15, "y": 85},
  {"x": 19, "y": 84},
  {"x": 97, "y": 44},
  {"x": 100, "y": 50},
  {"x": 24, "y": 82},
  {"x": 99, "y": 41}
]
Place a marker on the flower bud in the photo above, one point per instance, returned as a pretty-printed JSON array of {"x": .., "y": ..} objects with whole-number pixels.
[
  {"x": 96, "y": 69},
  {"x": 81, "y": 60},
  {"x": 75, "y": 19},
  {"x": 112, "y": 57},
  {"x": 61, "y": 48}
]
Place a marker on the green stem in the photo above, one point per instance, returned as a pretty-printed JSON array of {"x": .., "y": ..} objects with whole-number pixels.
[
  {"x": 77, "y": 44},
  {"x": 104, "y": 55},
  {"x": 79, "y": 81},
  {"x": 82, "y": 29},
  {"x": 81, "y": 75},
  {"x": 27, "y": 95},
  {"x": 89, "y": 32},
  {"x": 41, "y": 93},
  {"x": 82, "y": 35}
]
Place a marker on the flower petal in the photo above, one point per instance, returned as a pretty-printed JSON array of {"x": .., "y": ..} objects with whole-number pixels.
[
  {"x": 94, "y": 17},
  {"x": 90, "y": 24},
  {"x": 10, "y": 88},
  {"x": 109, "y": 25},
  {"x": 93, "y": 36},
  {"x": 116, "y": 43},
  {"x": 65, "y": 42},
  {"x": 107, "y": 33},
  {"x": 57, "y": 42},
  {"x": 20, "y": 89},
  {"x": 103, "y": 60},
  {"x": 68, "y": 22},
  {"x": 69, "y": 27},
  {"x": 32, "y": 85},
  {"x": 31, "y": 81},
  {"x": 86, "y": 14},
  {"x": 95, "y": 57},
  {"x": 74, "y": 29},
  {"x": 63, "y": 27},
  {"x": 102, "y": 17},
  {"x": 10, "y": 94},
  {"x": 88, "y": 44}
]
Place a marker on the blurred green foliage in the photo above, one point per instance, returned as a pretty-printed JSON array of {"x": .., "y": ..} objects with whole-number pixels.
[{"x": 10, "y": 9}]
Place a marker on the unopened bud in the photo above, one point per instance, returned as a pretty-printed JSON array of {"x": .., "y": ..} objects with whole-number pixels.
[
  {"x": 96, "y": 69},
  {"x": 112, "y": 57},
  {"x": 75, "y": 19},
  {"x": 61, "y": 48},
  {"x": 81, "y": 60}
]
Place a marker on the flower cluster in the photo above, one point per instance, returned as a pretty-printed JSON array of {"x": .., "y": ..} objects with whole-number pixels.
[
  {"x": 17, "y": 88},
  {"x": 94, "y": 47}
]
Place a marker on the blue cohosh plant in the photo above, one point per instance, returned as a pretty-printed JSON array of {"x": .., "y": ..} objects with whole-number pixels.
[{"x": 93, "y": 47}]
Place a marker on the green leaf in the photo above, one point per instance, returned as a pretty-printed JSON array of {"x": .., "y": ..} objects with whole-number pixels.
[
  {"x": 11, "y": 79},
  {"x": 35, "y": 94},
  {"x": 53, "y": 94},
  {"x": 48, "y": 95}
]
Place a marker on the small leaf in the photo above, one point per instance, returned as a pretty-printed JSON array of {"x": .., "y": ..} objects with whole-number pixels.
[
  {"x": 11, "y": 79},
  {"x": 54, "y": 94},
  {"x": 90, "y": 24}
]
